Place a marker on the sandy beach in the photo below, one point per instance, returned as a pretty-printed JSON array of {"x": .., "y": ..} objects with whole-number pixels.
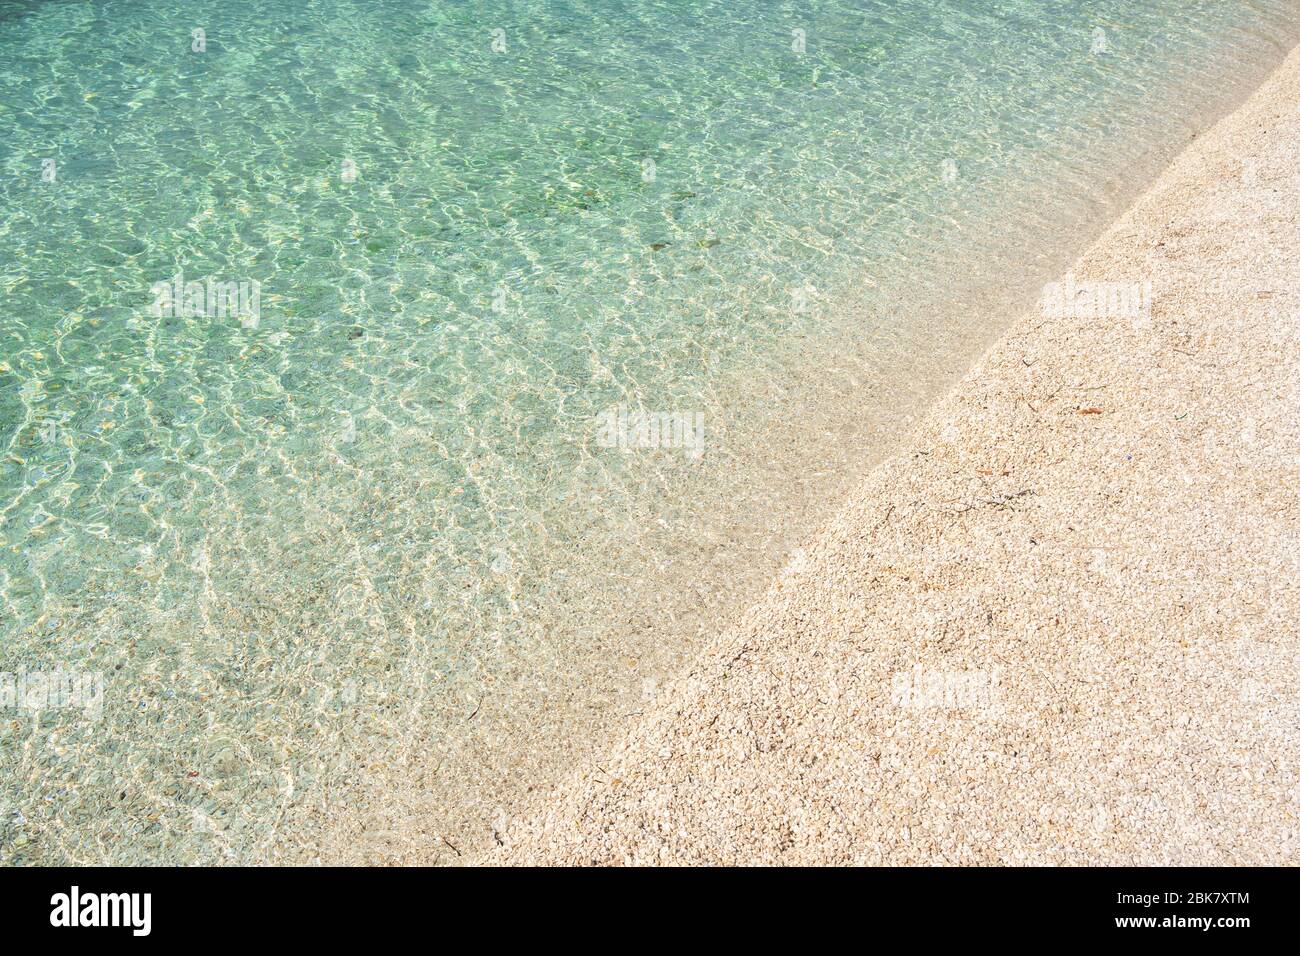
[{"x": 1059, "y": 626}]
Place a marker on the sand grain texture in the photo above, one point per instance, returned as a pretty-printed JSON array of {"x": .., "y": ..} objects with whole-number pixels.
[{"x": 1101, "y": 523}]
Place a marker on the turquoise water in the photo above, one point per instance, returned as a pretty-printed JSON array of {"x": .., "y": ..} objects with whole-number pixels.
[{"x": 359, "y": 569}]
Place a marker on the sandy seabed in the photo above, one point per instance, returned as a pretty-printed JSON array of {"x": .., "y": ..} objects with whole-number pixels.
[{"x": 1061, "y": 625}]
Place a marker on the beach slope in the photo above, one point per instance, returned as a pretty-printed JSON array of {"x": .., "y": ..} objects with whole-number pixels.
[{"x": 1062, "y": 624}]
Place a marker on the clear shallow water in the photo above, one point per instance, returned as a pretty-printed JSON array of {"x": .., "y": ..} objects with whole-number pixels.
[{"x": 357, "y": 575}]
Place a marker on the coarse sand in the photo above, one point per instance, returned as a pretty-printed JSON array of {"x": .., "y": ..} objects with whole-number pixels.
[{"x": 1062, "y": 624}]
